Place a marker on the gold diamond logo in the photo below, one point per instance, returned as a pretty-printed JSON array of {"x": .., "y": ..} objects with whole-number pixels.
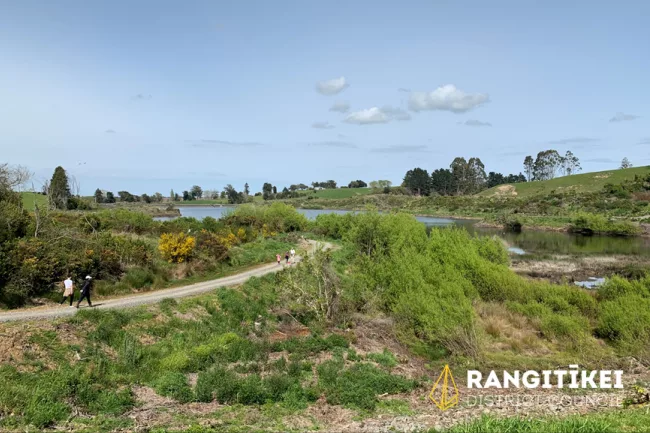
[{"x": 444, "y": 392}]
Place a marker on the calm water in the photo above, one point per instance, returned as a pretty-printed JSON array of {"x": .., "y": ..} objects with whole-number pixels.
[{"x": 520, "y": 243}]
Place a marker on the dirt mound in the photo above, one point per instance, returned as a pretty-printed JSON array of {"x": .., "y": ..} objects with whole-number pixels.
[{"x": 505, "y": 190}]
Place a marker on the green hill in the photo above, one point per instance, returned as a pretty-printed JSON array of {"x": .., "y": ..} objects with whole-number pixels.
[
  {"x": 585, "y": 182},
  {"x": 341, "y": 192},
  {"x": 29, "y": 198}
]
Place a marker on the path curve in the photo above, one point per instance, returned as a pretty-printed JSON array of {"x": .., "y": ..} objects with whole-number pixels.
[{"x": 158, "y": 295}]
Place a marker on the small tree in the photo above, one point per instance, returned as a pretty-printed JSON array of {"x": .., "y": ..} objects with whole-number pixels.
[
  {"x": 312, "y": 287},
  {"x": 625, "y": 163},
  {"x": 187, "y": 196},
  {"x": 110, "y": 197},
  {"x": 232, "y": 195},
  {"x": 417, "y": 181},
  {"x": 172, "y": 195},
  {"x": 126, "y": 196},
  {"x": 246, "y": 189},
  {"x": 196, "y": 192},
  {"x": 99, "y": 196},
  {"x": 528, "y": 167}
]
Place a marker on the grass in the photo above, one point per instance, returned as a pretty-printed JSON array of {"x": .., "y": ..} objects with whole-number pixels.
[
  {"x": 341, "y": 192},
  {"x": 31, "y": 198},
  {"x": 629, "y": 420},
  {"x": 585, "y": 182}
]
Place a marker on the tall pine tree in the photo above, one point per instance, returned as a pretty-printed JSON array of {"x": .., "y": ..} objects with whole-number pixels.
[{"x": 59, "y": 192}]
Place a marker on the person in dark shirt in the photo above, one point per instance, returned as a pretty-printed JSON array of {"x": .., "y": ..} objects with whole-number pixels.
[{"x": 85, "y": 291}]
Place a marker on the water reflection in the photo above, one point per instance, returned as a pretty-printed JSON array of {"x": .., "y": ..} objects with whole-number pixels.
[{"x": 519, "y": 243}]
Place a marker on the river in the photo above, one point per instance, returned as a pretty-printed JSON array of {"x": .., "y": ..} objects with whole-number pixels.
[{"x": 526, "y": 241}]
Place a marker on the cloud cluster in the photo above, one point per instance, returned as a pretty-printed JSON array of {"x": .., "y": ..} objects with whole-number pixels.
[
  {"x": 340, "y": 107},
  {"x": 395, "y": 113},
  {"x": 377, "y": 115},
  {"x": 447, "y": 98},
  {"x": 141, "y": 97},
  {"x": 322, "y": 125},
  {"x": 331, "y": 87},
  {"x": 644, "y": 141},
  {"x": 110, "y": 131},
  {"x": 622, "y": 117},
  {"x": 474, "y": 122},
  {"x": 367, "y": 117}
]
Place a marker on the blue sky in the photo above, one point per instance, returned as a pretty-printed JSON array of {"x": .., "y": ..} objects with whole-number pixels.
[{"x": 153, "y": 95}]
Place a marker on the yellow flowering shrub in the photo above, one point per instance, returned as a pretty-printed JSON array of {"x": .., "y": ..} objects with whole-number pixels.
[
  {"x": 241, "y": 234},
  {"x": 228, "y": 240},
  {"x": 176, "y": 247},
  {"x": 267, "y": 232}
]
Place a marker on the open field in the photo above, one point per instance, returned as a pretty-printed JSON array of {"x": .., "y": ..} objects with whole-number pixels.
[
  {"x": 585, "y": 182},
  {"x": 341, "y": 192},
  {"x": 29, "y": 198}
]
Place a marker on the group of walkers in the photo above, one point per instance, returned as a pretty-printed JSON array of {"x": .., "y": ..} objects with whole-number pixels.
[
  {"x": 68, "y": 291},
  {"x": 289, "y": 255}
]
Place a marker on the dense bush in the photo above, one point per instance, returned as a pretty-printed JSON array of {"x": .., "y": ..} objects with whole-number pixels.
[{"x": 598, "y": 224}]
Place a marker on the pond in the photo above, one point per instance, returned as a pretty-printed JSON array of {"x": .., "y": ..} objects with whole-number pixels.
[{"x": 519, "y": 243}]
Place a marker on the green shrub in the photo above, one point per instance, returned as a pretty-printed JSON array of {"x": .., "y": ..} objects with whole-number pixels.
[
  {"x": 598, "y": 224},
  {"x": 625, "y": 320},
  {"x": 359, "y": 385},
  {"x": 385, "y": 359},
  {"x": 138, "y": 277},
  {"x": 174, "y": 385}
]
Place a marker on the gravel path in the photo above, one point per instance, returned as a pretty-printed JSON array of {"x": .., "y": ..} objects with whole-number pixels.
[{"x": 153, "y": 297}]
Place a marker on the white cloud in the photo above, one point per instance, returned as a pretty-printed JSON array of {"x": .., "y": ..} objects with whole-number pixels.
[
  {"x": 395, "y": 113},
  {"x": 447, "y": 98},
  {"x": 622, "y": 117},
  {"x": 322, "y": 125},
  {"x": 644, "y": 141},
  {"x": 110, "y": 131},
  {"x": 331, "y": 87},
  {"x": 474, "y": 122},
  {"x": 367, "y": 117},
  {"x": 340, "y": 106}
]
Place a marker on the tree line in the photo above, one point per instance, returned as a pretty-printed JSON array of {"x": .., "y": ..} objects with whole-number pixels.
[
  {"x": 468, "y": 176},
  {"x": 549, "y": 163}
]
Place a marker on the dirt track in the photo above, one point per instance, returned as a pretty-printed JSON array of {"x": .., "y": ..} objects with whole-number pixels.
[{"x": 152, "y": 297}]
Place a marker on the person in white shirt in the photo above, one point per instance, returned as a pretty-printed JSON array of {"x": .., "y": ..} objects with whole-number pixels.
[
  {"x": 68, "y": 290},
  {"x": 293, "y": 254}
]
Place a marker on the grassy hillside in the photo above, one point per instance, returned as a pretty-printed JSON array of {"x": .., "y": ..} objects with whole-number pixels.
[
  {"x": 585, "y": 182},
  {"x": 29, "y": 198},
  {"x": 342, "y": 192}
]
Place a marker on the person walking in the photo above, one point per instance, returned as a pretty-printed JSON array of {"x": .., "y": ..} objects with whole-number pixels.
[
  {"x": 286, "y": 257},
  {"x": 68, "y": 291},
  {"x": 85, "y": 291},
  {"x": 293, "y": 255},
  {"x": 279, "y": 258}
]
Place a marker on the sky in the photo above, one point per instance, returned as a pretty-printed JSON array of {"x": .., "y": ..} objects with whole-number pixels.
[{"x": 149, "y": 96}]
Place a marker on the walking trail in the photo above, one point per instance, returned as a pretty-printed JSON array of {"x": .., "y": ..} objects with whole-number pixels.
[{"x": 158, "y": 295}]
